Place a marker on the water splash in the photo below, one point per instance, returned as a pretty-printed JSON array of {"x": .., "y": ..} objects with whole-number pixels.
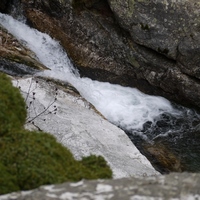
[{"x": 126, "y": 107}]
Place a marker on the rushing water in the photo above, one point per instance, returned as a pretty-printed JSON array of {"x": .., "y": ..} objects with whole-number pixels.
[{"x": 143, "y": 117}]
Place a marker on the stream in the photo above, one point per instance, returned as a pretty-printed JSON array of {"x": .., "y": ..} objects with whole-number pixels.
[{"x": 166, "y": 133}]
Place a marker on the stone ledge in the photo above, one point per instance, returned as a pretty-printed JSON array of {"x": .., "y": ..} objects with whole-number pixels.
[{"x": 172, "y": 186}]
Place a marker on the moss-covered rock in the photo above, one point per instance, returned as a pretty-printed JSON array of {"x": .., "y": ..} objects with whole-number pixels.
[
  {"x": 8, "y": 182},
  {"x": 35, "y": 158},
  {"x": 30, "y": 159},
  {"x": 97, "y": 166},
  {"x": 12, "y": 107}
]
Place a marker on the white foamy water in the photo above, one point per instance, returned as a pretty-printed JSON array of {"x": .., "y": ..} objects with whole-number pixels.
[{"x": 123, "y": 106}]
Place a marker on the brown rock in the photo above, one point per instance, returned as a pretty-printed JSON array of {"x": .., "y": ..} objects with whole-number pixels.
[
  {"x": 162, "y": 158},
  {"x": 14, "y": 51}
]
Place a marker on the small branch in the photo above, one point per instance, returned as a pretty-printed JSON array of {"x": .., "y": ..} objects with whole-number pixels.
[{"x": 38, "y": 115}]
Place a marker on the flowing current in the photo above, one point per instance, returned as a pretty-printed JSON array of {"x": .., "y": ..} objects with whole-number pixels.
[
  {"x": 138, "y": 114},
  {"x": 125, "y": 107}
]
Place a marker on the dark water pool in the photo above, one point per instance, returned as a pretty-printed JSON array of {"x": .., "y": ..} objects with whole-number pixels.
[{"x": 171, "y": 143}]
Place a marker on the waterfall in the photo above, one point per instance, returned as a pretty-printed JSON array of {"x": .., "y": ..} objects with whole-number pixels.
[{"x": 126, "y": 107}]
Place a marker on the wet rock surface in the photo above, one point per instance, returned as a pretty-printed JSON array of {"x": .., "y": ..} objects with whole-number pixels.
[
  {"x": 89, "y": 38},
  {"x": 170, "y": 28},
  {"x": 15, "y": 57},
  {"x": 173, "y": 186},
  {"x": 177, "y": 152}
]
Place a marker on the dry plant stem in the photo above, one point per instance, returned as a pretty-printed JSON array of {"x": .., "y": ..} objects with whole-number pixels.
[
  {"x": 38, "y": 115},
  {"x": 31, "y": 95}
]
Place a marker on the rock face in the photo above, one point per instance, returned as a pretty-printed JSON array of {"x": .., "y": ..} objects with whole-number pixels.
[
  {"x": 149, "y": 45},
  {"x": 173, "y": 186},
  {"x": 170, "y": 28},
  {"x": 78, "y": 127}
]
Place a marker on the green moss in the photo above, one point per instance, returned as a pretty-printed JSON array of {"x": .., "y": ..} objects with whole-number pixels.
[
  {"x": 12, "y": 107},
  {"x": 30, "y": 159},
  {"x": 8, "y": 182},
  {"x": 35, "y": 159},
  {"x": 133, "y": 62},
  {"x": 97, "y": 166}
]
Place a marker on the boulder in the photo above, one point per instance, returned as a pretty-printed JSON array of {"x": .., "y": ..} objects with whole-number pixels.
[
  {"x": 59, "y": 110},
  {"x": 167, "y": 27}
]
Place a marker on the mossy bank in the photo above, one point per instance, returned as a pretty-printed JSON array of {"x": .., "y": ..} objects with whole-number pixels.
[{"x": 30, "y": 159}]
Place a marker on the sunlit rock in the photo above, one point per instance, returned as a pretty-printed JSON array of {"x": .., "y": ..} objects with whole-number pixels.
[{"x": 74, "y": 122}]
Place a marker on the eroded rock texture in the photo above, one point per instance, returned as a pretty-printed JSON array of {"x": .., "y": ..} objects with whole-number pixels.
[{"x": 170, "y": 28}]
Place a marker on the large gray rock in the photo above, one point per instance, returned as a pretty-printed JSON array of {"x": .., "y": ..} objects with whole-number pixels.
[
  {"x": 168, "y": 27},
  {"x": 163, "y": 26},
  {"x": 174, "y": 186},
  {"x": 76, "y": 124}
]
